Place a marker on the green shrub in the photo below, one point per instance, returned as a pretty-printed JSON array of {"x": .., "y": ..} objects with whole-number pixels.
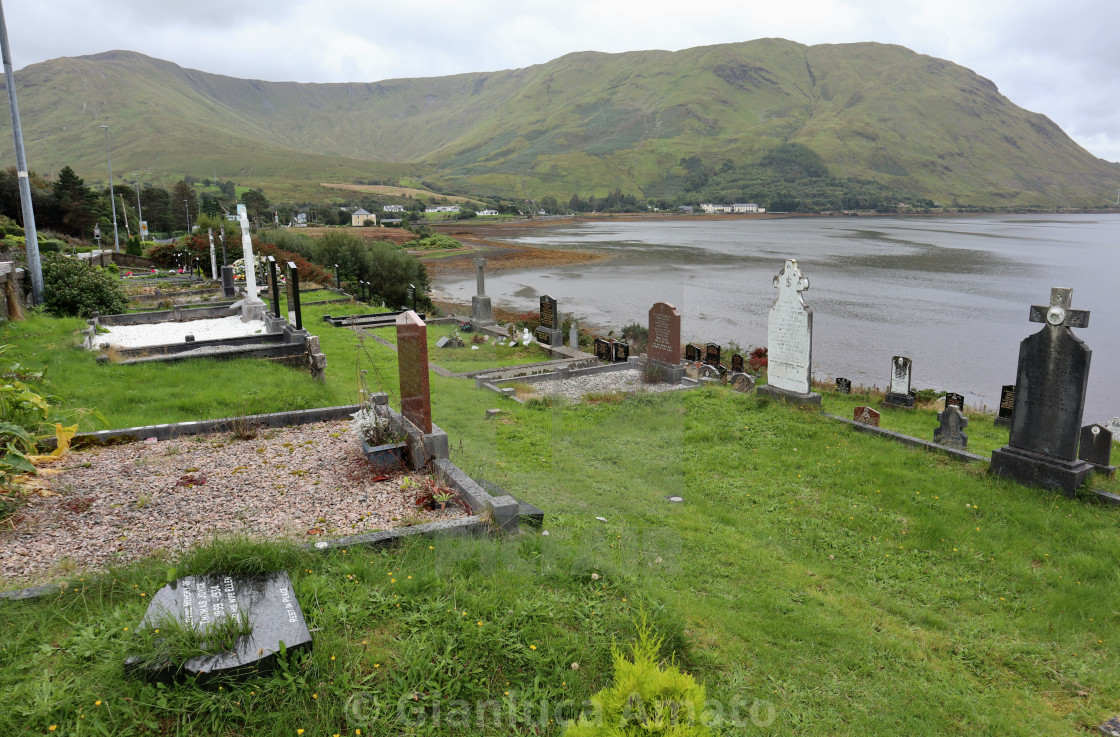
[
  {"x": 645, "y": 699},
  {"x": 133, "y": 247},
  {"x": 72, "y": 287},
  {"x": 51, "y": 245}
]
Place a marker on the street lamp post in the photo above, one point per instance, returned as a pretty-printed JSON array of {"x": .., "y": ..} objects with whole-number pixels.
[
  {"x": 187, "y": 207},
  {"x": 112, "y": 201}
]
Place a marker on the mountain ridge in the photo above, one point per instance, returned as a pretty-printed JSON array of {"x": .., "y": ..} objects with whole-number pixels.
[{"x": 587, "y": 122}]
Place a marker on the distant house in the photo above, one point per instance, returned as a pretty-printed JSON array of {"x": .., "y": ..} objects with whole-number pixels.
[
  {"x": 487, "y": 212},
  {"x": 301, "y": 220},
  {"x": 393, "y": 208},
  {"x": 688, "y": 209},
  {"x": 361, "y": 216},
  {"x": 443, "y": 208},
  {"x": 741, "y": 208}
]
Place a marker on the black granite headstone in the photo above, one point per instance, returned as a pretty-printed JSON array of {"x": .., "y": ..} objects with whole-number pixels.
[
  {"x": 1051, "y": 380},
  {"x": 550, "y": 318},
  {"x": 954, "y": 400},
  {"x": 844, "y": 386},
  {"x": 1096, "y": 445},
  {"x": 692, "y": 353},
  {"x": 267, "y": 601},
  {"x": 711, "y": 354},
  {"x": 295, "y": 314},
  {"x": 1006, "y": 405},
  {"x": 229, "y": 291},
  {"x": 620, "y": 351},
  {"x": 738, "y": 365},
  {"x": 603, "y": 350},
  {"x": 273, "y": 286}
]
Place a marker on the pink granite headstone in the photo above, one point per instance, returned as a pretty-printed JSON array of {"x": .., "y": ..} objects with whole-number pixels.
[
  {"x": 664, "y": 334},
  {"x": 412, "y": 367},
  {"x": 867, "y": 416}
]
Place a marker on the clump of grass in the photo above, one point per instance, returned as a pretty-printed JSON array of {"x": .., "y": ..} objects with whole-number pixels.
[
  {"x": 167, "y": 643},
  {"x": 652, "y": 373},
  {"x": 522, "y": 390},
  {"x": 613, "y": 397},
  {"x": 242, "y": 556}
]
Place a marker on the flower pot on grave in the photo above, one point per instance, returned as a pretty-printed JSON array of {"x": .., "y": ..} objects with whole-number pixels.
[{"x": 387, "y": 456}]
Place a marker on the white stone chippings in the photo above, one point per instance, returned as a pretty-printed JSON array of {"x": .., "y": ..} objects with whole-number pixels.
[
  {"x": 165, "y": 333},
  {"x": 626, "y": 380}
]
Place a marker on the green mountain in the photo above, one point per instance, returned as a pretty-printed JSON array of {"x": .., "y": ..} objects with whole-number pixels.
[{"x": 585, "y": 123}]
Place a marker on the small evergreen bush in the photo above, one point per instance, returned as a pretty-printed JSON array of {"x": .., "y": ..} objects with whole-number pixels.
[
  {"x": 72, "y": 287},
  {"x": 645, "y": 699}
]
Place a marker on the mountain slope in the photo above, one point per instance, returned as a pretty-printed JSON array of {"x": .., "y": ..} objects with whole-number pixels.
[{"x": 587, "y": 122}]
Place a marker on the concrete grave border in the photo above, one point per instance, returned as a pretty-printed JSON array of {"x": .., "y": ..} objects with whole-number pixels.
[
  {"x": 488, "y": 381},
  {"x": 487, "y": 513}
]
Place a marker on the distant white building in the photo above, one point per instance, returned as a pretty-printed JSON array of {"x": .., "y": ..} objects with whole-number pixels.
[
  {"x": 301, "y": 219},
  {"x": 443, "y": 208},
  {"x": 738, "y": 208},
  {"x": 361, "y": 216},
  {"x": 487, "y": 212},
  {"x": 393, "y": 208}
]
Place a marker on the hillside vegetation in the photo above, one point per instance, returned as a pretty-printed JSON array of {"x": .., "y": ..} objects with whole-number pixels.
[{"x": 878, "y": 116}]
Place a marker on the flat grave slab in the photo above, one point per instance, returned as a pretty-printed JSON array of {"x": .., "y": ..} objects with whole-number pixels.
[{"x": 267, "y": 601}]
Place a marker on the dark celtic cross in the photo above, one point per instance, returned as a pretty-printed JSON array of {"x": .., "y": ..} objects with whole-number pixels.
[{"x": 1058, "y": 313}]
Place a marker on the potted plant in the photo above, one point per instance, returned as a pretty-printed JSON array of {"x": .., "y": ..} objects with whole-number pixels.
[{"x": 382, "y": 447}]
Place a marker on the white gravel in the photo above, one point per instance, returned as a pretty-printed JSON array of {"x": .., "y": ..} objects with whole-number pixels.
[
  {"x": 163, "y": 333},
  {"x": 626, "y": 380},
  {"x": 121, "y": 503}
]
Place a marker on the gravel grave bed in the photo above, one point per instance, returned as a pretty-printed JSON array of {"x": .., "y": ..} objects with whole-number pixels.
[
  {"x": 163, "y": 333},
  {"x": 575, "y": 388},
  {"x": 131, "y": 501}
]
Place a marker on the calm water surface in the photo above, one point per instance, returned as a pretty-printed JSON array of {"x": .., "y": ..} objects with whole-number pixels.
[{"x": 951, "y": 293}]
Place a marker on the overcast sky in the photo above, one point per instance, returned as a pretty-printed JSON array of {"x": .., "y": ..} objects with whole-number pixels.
[{"x": 1058, "y": 59}]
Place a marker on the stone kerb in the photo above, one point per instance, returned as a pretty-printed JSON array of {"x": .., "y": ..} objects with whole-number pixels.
[{"x": 424, "y": 448}]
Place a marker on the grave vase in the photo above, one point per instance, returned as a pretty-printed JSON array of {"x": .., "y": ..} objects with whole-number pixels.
[{"x": 385, "y": 457}]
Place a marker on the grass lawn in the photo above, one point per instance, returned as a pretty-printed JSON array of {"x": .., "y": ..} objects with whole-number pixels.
[{"x": 838, "y": 583}]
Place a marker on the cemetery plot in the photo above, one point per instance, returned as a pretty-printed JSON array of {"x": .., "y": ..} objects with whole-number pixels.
[
  {"x": 300, "y": 483},
  {"x": 594, "y": 387},
  {"x": 489, "y": 352}
]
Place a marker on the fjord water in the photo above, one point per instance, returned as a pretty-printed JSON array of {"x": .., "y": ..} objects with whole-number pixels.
[{"x": 952, "y": 293}]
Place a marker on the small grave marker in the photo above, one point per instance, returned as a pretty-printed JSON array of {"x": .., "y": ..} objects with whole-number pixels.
[
  {"x": 711, "y": 354},
  {"x": 692, "y": 353},
  {"x": 1095, "y": 446},
  {"x": 549, "y": 331},
  {"x": 844, "y": 386},
  {"x": 738, "y": 364},
  {"x": 1006, "y": 405},
  {"x": 620, "y": 351},
  {"x": 603, "y": 350},
  {"x": 950, "y": 431},
  {"x": 267, "y": 601},
  {"x": 866, "y": 415},
  {"x": 954, "y": 400}
]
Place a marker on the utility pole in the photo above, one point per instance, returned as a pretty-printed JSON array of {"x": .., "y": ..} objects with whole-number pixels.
[
  {"x": 34, "y": 265},
  {"x": 187, "y": 207},
  {"x": 127, "y": 230},
  {"x": 112, "y": 197}
]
